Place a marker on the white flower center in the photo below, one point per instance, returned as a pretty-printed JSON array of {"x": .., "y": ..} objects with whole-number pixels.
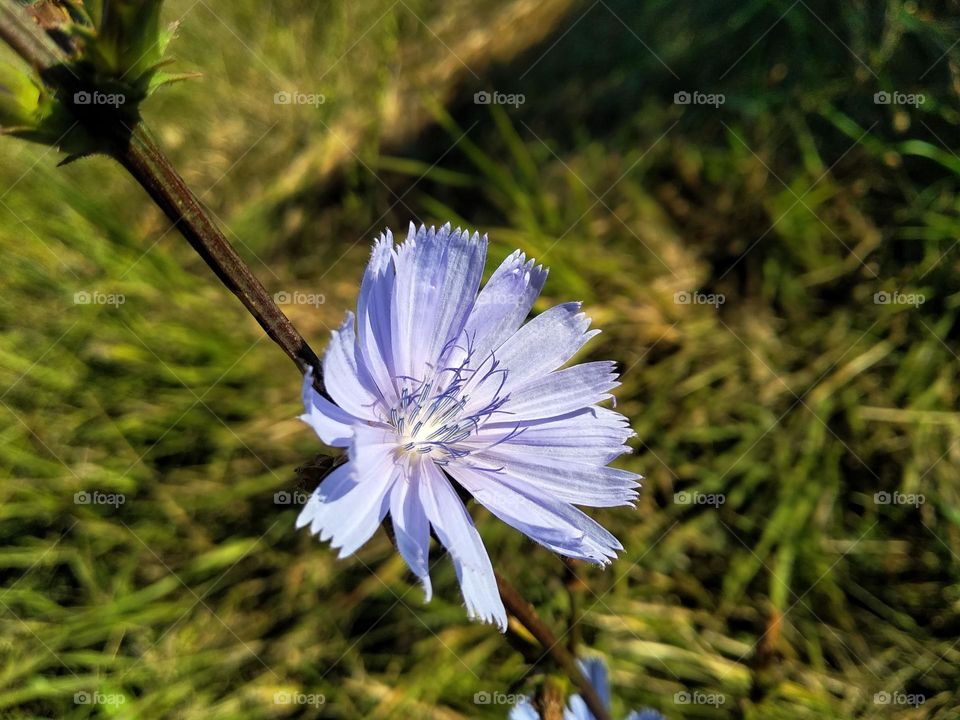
[{"x": 431, "y": 424}]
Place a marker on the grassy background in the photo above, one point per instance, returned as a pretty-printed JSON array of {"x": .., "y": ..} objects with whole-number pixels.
[{"x": 797, "y": 399}]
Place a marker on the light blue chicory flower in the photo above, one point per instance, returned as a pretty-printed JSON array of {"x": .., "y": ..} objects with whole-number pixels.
[
  {"x": 596, "y": 672},
  {"x": 436, "y": 386}
]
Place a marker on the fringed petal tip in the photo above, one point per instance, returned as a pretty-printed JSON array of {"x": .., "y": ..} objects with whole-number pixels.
[
  {"x": 446, "y": 232},
  {"x": 385, "y": 239},
  {"x": 490, "y": 616}
]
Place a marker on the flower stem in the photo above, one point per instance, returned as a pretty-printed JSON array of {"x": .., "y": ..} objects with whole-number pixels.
[
  {"x": 527, "y": 616},
  {"x": 150, "y": 167}
]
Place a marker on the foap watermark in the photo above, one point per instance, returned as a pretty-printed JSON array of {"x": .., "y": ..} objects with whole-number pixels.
[
  {"x": 898, "y": 298},
  {"x": 693, "y": 497},
  {"x": 484, "y": 97},
  {"x": 95, "y": 297},
  {"x": 485, "y": 697},
  {"x": 286, "y": 697},
  {"x": 297, "y": 297},
  {"x": 898, "y": 498},
  {"x": 95, "y": 497},
  {"x": 96, "y": 697},
  {"x": 284, "y": 497},
  {"x": 83, "y": 97},
  {"x": 684, "y": 697},
  {"x": 898, "y": 98},
  {"x": 899, "y": 698},
  {"x": 684, "y": 297},
  {"x": 684, "y": 97},
  {"x": 285, "y": 97}
]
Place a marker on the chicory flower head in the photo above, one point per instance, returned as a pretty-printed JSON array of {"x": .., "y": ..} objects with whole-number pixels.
[
  {"x": 596, "y": 672},
  {"x": 438, "y": 389}
]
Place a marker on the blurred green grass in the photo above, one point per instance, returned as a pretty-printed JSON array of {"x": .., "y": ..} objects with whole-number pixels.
[{"x": 798, "y": 398}]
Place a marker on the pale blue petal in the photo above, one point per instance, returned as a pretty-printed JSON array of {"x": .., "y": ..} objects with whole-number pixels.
[
  {"x": 374, "y": 333},
  {"x": 401, "y": 305},
  {"x": 412, "y": 529},
  {"x": 504, "y": 303},
  {"x": 544, "y": 344},
  {"x": 577, "y": 709},
  {"x": 438, "y": 273},
  {"x": 593, "y": 435},
  {"x": 645, "y": 714},
  {"x": 560, "y": 392},
  {"x": 456, "y": 532},
  {"x": 341, "y": 376},
  {"x": 332, "y": 424},
  {"x": 596, "y": 671},
  {"x": 553, "y": 523},
  {"x": 334, "y": 485},
  {"x": 349, "y": 510},
  {"x": 524, "y": 710},
  {"x": 578, "y": 483}
]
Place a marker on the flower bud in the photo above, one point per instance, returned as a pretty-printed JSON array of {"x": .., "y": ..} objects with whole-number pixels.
[{"x": 29, "y": 111}]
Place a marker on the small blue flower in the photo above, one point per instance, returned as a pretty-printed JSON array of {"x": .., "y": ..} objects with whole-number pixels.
[
  {"x": 435, "y": 386},
  {"x": 596, "y": 672}
]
